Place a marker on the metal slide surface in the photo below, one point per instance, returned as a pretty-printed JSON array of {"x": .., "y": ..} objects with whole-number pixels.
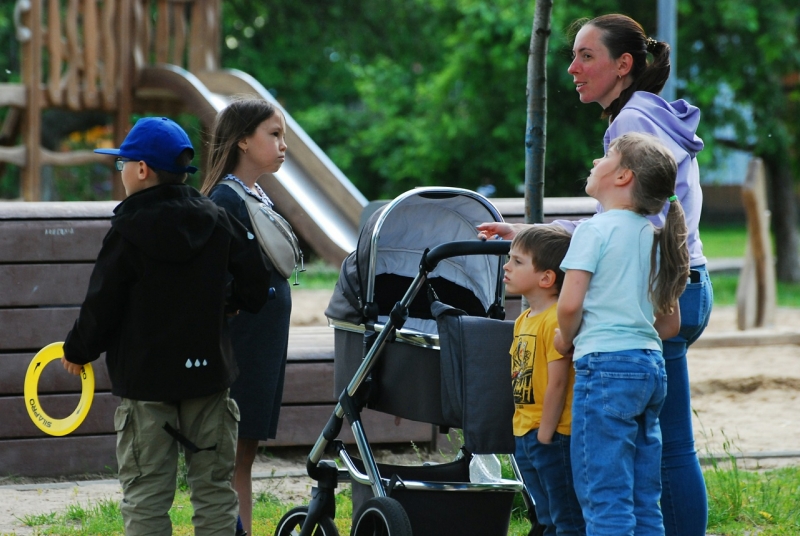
[{"x": 322, "y": 205}]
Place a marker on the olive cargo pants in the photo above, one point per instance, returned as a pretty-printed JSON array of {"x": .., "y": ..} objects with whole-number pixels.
[{"x": 147, "y": 454}]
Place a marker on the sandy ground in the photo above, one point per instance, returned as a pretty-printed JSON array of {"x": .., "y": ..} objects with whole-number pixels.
[{"x": 745, "y": 397}]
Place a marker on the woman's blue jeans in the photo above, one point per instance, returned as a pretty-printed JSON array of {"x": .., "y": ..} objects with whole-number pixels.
[
  {"x": 683, "y": 500},
  {"x": 616, "y": 441},
  {"x": 547, "y": 473}
]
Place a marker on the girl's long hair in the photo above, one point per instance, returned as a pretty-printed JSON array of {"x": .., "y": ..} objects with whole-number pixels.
[
  {"x": 655, "y": 171},
  {"x": 621, "y": 34},
  {"x": 235, "y": 122}
]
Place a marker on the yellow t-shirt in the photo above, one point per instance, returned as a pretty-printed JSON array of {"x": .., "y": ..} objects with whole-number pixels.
[{"x": 531, "y": 351}]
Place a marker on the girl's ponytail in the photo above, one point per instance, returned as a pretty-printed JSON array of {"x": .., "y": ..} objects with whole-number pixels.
[
  {"x": 669, "y": 266},
  {"x": 656, "y": 170}
]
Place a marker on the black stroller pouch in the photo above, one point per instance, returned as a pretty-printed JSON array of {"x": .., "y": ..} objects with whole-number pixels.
[
  {"x": 441, "y": 511},
  {"x": 475, "y": 372}
]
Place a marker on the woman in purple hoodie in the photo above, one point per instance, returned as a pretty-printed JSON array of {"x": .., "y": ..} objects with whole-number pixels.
[{"x": 610, "y": 68}]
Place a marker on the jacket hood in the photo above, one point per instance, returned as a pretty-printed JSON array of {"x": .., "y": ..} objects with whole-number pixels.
[
  {"x": 679, "y": 119},
  {"x": 169, "y": 222}
]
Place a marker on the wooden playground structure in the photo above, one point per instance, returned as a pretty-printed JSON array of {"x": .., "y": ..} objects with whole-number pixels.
[
  {"x": 93, "y": 55},
  {"x": 156, "y": 57}
]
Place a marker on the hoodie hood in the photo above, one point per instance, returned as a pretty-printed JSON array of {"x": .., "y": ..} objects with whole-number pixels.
[
  {"x": 169, "y": 222},
  {"x": 677, "y": 119}
]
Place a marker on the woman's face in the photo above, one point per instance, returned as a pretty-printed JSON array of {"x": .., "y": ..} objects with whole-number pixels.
[
  {"x": 597, "y": 76},
  {"x": 266, "y": 146}
]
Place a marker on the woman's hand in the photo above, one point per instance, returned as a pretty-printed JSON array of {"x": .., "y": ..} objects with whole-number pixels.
[{"x": 506, "y": 231}]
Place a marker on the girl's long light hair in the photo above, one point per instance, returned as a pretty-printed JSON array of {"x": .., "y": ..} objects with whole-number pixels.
[
  {"x": 655, "y": 172},
  {"x": 235, "y": 122}
]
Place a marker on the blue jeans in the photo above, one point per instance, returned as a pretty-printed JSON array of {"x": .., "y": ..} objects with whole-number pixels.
[
  {"x": 683, "y": 498},
  {"x": 547, "y": 473},
  {"x": 616, "y": 441}
]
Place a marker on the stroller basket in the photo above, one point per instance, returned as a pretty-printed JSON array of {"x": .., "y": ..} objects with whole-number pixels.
[{"x": 461, "y": 507}]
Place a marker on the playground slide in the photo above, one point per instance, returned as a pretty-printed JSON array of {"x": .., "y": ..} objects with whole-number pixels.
[{"x": 322, "y": 205}]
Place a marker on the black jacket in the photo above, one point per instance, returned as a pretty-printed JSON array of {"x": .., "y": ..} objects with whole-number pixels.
[{"x": 157, "y": 296}]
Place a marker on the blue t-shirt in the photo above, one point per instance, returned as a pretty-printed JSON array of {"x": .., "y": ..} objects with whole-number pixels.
[{"x": 617, "y": 314}]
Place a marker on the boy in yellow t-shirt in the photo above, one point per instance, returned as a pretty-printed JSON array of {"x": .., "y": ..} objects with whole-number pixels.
[{"x": 542, "y": 379}]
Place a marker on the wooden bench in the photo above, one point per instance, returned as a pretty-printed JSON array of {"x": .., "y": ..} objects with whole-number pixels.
[{"x": 47, "y": 252}]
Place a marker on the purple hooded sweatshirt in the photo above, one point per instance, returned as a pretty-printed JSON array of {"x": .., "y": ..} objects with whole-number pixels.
[{"x": 675, "y": 124}]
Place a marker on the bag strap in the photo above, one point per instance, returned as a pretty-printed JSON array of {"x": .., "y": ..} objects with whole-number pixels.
[{"x": 236, "y": 187}]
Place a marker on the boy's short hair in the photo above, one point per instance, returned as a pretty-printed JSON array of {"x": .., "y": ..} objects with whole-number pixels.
[
  {"x": 160, "y": 143},
  {"x": 183, "y": 160},
  {"x": 547, "y": 245}
]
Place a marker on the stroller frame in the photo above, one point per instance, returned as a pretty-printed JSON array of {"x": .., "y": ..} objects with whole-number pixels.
[{"x": 352, "y": 401}]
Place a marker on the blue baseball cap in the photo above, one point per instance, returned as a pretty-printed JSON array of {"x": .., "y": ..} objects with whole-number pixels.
[{"x": 157, "y": 141}]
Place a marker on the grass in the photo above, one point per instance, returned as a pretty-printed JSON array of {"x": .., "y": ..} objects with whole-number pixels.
[
  {"x": 729, "y": 241},
  {"x": 741, "y": 503},
  {"x": 723, "y": 241},
  {"x": 744, "y": 502},
  {"x": 318, "y": 275}
]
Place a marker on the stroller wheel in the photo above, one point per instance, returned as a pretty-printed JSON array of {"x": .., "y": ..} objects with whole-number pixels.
[
  {"x": 381, "y": 516},
  {"x": 291, "y": 523}
]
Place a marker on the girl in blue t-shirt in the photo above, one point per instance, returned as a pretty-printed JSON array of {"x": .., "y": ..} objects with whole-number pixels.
[{"x": 619, "y": 299}]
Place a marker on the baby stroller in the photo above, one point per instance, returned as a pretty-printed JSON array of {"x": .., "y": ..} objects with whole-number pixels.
[{"x": 419, "y": 334}]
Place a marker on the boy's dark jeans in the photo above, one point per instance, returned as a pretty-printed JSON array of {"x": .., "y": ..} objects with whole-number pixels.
[{"x": 547, "y": 473}]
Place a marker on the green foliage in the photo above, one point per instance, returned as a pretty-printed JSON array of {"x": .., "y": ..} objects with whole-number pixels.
[
  {"x": 733, "y": 59},
  {"x": 395, "y": 92},
  {"x": 416, "y": 92},
  {"x": 402, "y": 93}
]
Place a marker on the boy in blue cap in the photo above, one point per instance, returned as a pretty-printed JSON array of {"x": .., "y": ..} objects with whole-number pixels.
[{"x": 156, "y": 305}]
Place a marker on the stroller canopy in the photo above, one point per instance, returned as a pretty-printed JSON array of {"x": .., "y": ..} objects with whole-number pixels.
[{"x": 394, "y": 238}]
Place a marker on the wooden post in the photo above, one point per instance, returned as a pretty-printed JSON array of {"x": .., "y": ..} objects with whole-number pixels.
[
  {"x": 30, "y": 187},
  {"x": 755, "y": 294},
  {"x": 124, "y": 90}
]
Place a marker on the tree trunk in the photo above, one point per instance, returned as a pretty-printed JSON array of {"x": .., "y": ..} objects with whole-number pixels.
[
  {"x": 784, "y": 219},
  {"x": 536, "y": 128}
]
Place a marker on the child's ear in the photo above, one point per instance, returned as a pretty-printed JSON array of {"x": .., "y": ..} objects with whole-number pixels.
[
  {"x": 142, "y": 170},
  {"x": 625, "y": 177},
  {"x": 548, "y": 279}
]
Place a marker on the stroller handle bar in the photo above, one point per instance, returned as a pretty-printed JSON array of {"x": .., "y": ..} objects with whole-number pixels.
[{"x": 431, "y": 258}]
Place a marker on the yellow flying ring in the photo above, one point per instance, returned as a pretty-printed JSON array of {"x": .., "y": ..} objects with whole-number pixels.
[{"x": 46, "y": 423}]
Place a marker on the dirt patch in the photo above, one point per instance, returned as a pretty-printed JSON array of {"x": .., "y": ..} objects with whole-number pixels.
[
  {"x": 746, "y": 400},
  {"x": 744, "y": 386}
]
